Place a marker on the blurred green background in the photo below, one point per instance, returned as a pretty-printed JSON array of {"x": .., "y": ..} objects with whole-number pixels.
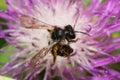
[
  {"x": 2, "y": 5},
  {"x": 3, "y": 57},
  {"x": 2, "y": 41}
]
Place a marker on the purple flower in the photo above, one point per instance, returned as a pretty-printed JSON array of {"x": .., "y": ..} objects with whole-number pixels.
[{"x": 28, "y": 22}]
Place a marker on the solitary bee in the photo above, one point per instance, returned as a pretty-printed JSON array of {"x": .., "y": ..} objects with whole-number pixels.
[{"x": 58, "y": 47}]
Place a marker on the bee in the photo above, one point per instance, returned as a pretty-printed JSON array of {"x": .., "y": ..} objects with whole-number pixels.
[{"x": 59, "y": 36}]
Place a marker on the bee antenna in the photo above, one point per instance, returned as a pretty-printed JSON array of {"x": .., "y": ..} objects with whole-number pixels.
[
  {"x": 76, "y": 20},
  {"x": 82, "y": 32}
]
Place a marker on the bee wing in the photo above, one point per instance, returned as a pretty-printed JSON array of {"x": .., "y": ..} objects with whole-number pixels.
[
  {"x": 31, "y": 22},
  {"x": 35, "y": 60}
]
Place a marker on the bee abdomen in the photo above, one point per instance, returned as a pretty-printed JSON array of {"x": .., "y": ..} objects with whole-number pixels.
[{"x": 64, "y": 49}]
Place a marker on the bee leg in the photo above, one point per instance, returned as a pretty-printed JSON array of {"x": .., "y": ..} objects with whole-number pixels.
[
  {"x": 71, "y": 41},
  {"x": 54, "y": 58},
  {"x": 75, "y": 40},
  {"x": 67, "y": 55}
]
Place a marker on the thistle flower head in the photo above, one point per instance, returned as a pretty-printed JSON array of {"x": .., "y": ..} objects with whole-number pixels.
[{"x": 29, "y": 22}]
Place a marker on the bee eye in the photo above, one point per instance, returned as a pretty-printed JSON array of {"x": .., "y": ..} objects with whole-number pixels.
[
  {"x": 68, "y": 28},
  {"x": 70, "y": 35},
  {"x": 69, "y": 32}
]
